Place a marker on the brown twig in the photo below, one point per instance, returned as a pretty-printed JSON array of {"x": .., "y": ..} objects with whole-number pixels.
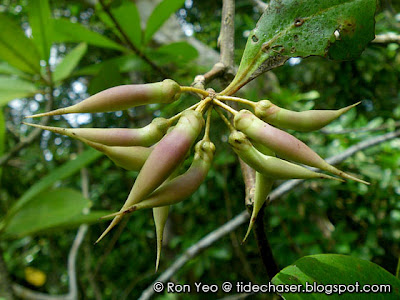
[
  {"x": 387, "y": 38},
  {"x": 226, "y": 41},
  {"x": 129, "y": 42}
]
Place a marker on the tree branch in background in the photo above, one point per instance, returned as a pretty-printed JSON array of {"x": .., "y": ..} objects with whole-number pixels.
[
  {"x": 130, "y": 44},
  {"x": 226, "y": 37},
  {"x": 361, "y": 129},
  {"x": 261, "y": 6},
  {"x": 241, "y": 218},
  {"x": 387, "y": 38}
]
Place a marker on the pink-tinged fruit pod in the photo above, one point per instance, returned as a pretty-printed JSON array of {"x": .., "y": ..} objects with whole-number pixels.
[
  {"x": 145, "y": 136},
  {"x": 300, "y": 121},
  {"x": 283, "y": 144},
  {"x": 123, "y": 97},
  {"x": 160, "y": 215},
  {"x": 269, "y": 166},
  {"x": 262, "y": 189},
  {"x": 181, "y": 187},
  {"x": 163, "y": 160},
  {"x": 130, "y": 158}
]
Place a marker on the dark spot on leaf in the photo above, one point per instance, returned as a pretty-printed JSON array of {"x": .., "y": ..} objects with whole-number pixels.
[
  {"x": 296, "y": 37},
  {"x": 347, "y": 27},
  {"x": 265, "y": 47},
  {"x": 254, "y": 39},
  {"x": 298, "y": 22},
  {"x": 278, "y": 48},
  {"x": 293, "y": 49}
]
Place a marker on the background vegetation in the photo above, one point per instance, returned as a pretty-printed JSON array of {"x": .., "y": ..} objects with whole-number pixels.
[{"x": 83, "y": 52}]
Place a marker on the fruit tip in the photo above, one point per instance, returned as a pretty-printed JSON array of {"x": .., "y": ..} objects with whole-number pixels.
[
  {"x": 114, "y": 222},
  {"x": 110, "y": 215},
  {"x": 37, "y": 115},
  {"x": 252, "y": 221},
  {"x": 348, "y": 176}
]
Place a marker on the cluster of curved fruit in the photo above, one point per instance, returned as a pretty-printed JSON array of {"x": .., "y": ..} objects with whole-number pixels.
[{"x": 158, "y": 149}]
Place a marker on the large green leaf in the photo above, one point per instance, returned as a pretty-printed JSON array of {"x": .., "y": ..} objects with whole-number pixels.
[
  {"x": 41, "y": 23},
  {"x": 128, "y": 18},
  {"x": 108, "y": 76},
  {"x": 46, "y": 210},
  {"x": 179, "y": 53},
  {"x": 7, "y": 69},
  {"x": 16, "y": 48},
  {"x": 66, "y": 31},
  {"x": 45, "y": 183},
  {"x": 334, "y": 269},
  {"x": 69, "y": 63},
  {"x": 339, "y": 29},
  {"x": 159, "y": 15},
  {"x": 12, "y": 87},
  {"x": 90, "y": 218},
  {"x": 124, "y": 64}
]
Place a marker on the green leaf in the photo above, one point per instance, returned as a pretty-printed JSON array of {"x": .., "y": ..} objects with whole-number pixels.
[
  {"x": 60, "y": 173},
  {"x": 12, "y": 88},
  {"x": 125, "y": 64},
  {"x": 69, "y": 63},
  {"x": 159, "y": 15},
  {"x": 91, "y": 218},
  {"x": 16, "y": 48},
  {"x": 7, "y": 69},
  {"x": 51, "y": 207},
  {"x": 41, "y": 23},
  {"x": 334, "y": 269},
  {"x": 300, "y": 28},
  {"x": 107, "y": 77},
  {"x": 179, "y": 53},
  {"x": 66, "y": 31},
  {"x": 128, "y": 18},
  {"x": 2, "y": 135}
]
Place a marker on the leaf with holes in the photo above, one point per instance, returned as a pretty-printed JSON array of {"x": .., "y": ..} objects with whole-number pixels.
[{"x": 339, "y": 29}]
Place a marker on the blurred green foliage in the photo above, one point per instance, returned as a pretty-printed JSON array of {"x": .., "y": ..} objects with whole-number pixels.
[{"x": 317, "y": 217}]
